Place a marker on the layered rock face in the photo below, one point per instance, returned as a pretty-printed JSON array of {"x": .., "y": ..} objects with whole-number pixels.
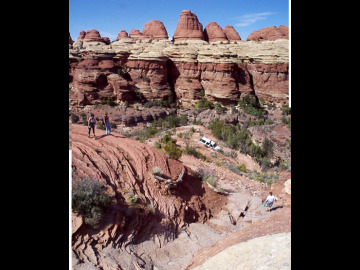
[
  {"x": 188, "y": 27},
  {"x": 159, "y": 69},
  {"x": 155, "y": 29},
  {"x": 231, "y": 34},
  {"x": 269, "y": 33},
  {"x": 213, "y": 32}
]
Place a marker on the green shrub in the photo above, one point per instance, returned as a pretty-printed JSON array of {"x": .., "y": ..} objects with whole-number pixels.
[
  {"x": 74, "y": 118},
  {"x": 188, "y": 80},
  {"x": 172, "y": 150},
  {"x": 89, "y": 199},
  {"x": 204, "y": 104},
  {"x": 219, "y": 109},
  {"x": 158, "y": 145},
  {"x": 110, "y": 101},
  {"x": 189, "y": 150},
  {"x": 285, "y": 109},
  {"x": 202, "y": 93},
  {"x": 167, "y": 138},
  {"x": 211, "y": 180},
  {"x": 113, "y": 125},
  {"x": 250, "y": 105},
  {"x": 242, "y": 167},
  {"x": 267, "y": 148}
]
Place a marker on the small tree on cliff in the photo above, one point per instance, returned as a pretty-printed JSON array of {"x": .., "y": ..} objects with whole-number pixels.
[{"x": 90, "y": 200}]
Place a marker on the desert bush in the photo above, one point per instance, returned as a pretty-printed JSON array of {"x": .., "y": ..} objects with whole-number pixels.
[
  {"x": 113, "y": 125},
  {"x": 250, "y": 105},
  {"x": 158, "y": 145},
  {"x": 74, "y": 118},
  {"x": 219, "y": 109},
  {"x": 242, "y": 167},
  {"x": 167, "y": 138},
  {"x": 204, "y": 104},
  {"x": 89, "y": 199},
  {"x": 188, "y": 80},
  {"x": 132, "y": 198},
  {"x": 285, "y": 109},
  {"x": 172, "y": 150},
  {"x": 189, "y": 150}
]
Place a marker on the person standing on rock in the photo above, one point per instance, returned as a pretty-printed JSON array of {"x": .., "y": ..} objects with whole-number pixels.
[
  {"x": 92, "y": 122},
  {"x": 269, "y": 201},
  {"x": 107, "y": 123}
]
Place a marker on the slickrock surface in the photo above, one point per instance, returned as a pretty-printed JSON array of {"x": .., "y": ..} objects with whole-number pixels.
[
  {"x": 188, "y": 27},
  {"x": 155, "y": 29},
  {"x": 266, "y": 252},
  {"x": 213, "y": 32},
  {"x": 269, "y": 33}
]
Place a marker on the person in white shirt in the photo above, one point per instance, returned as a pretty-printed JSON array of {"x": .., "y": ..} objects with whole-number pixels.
[{"x": 269, "y": 201}]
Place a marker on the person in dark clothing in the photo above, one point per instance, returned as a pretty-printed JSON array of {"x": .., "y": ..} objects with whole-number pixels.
[
  {"x": 92, "y": 122},
  {"x": 107, "y": 123}
]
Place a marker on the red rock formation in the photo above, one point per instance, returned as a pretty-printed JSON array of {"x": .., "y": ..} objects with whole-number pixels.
[
  {"x": 82, "y": 35},
  {"x": 284, "y": 29},
  {"x": 155, "y": 29},
  {"x": 94, "y": 36},
  {"x": 231, "y": 34},
  {"x": 213, "y": 32},
  {"x": 268, "y": 33},
  {"x": 135, "y": 34},
  {"x": 188, "y": 27},
  {"x": 70, "y": 39},
  {"x": 122, "y": 34},
  {"x": 270, "y": 81}
]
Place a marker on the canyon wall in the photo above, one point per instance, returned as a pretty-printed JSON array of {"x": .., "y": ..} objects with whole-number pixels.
[{"x": 150, "y": 66}]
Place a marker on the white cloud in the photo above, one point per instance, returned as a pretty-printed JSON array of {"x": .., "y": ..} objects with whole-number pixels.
[{"x": 248, "y": 19}]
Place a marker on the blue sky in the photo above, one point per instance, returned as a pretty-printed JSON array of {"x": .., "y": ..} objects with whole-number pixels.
[{"x": 109, "y": 17}]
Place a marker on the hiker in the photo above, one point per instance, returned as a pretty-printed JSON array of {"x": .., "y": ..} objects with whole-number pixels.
[
  {"x": 92, "y": 122},
  {"x": 269, "y": 201},
  {"x": 106, "y": 121}
]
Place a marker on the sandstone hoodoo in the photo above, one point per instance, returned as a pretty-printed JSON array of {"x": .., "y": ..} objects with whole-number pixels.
[
  {"x": 188, "y": 27},
  {"x": 231, "y": 34},
  {"x": 122, "y": 34},
  {"x": 82, "y": 35},
  {"x": 269, "y": 33},
  {"x": 94, "y": 36},
  {"x": 135, "y": 34},
  {"x": 155, "y": 29},
  {"x": 213, "y": 32}
]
